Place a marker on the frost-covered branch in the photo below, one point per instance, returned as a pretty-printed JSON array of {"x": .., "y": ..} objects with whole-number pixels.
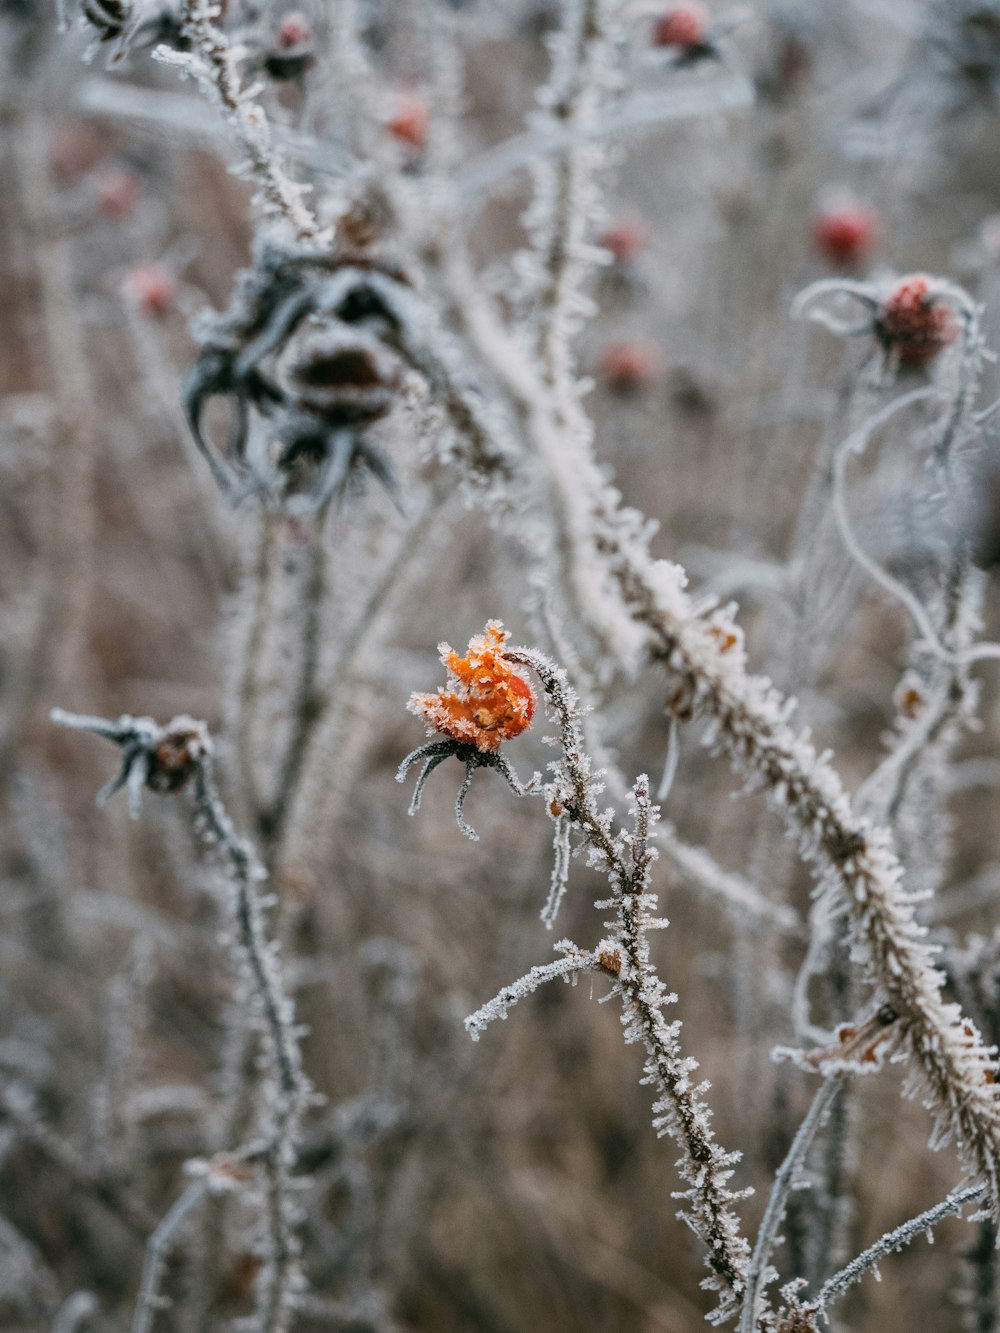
[
  {"x": 760, "y": 1272},
  {"x": 213, "y": 62},
  {"x": 164, "y": 759},
  {"x": 568, "y": 968},
  {"x": 892, "y": 1242},
  {"x": 639, "y": 608},
  {"x": 625, "y": 858}
]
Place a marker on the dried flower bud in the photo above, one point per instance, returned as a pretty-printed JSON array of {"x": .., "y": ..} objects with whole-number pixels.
[
  {"x": 487, "y": 701},
  {"x": 914, "y": 322}
]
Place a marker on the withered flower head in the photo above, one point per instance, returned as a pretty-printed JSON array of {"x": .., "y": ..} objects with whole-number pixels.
[{"x": 487, "y": 700}]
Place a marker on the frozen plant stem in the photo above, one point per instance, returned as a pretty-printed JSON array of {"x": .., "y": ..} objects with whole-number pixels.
[
  {"x": 164, "y": 759},
  {"x": 212, "y": 62},
  {"x": 626, "y": 859},
  {"x": 156, "y": 1254},
  {"x": 777, "y": 1204},
  {"x": 285, "y": 1089},
  {"x": 893, "y": 1241}
]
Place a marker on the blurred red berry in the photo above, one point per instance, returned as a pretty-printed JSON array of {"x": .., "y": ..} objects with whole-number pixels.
[
  {"x": 118, "y": 194},
  {"x": 914, "y": 321},
  {"x": 846, "y": 235},
  {"x": 629, "y": 365},
  {"x": 682, "y": 26},
  {"x": 410, "y": 121},
  {"x": 75, "y": 149},
  {"x": 625, "y": 239},
  {"x": 294, "y": 30},
  {"x": 152, "y": 287}
]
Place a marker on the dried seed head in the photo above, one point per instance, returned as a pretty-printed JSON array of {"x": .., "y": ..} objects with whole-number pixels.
[
  {"x": 611, "y": 961},
  {"x": 175, "y": 757},
  {"x": 344, "y": 376},
  {"x": 109, "y": 17}
]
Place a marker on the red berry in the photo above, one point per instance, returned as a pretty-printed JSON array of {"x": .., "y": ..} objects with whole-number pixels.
[
  {"x": 625, "y": 239},
  {"x": 915, "y": 322},
  {"x": 152, "y": 287},
  {"x": 411, "y": 120},
  {"x": 118, "y": 194},
  {"x": 845, "y": 235},
  {"x": 683, "y": 26},
  {"x": 629, "y": 365},
  {"x": 294, "y": 30}
]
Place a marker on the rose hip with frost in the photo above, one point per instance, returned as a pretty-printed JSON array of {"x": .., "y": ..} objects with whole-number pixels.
[
  {"x": 294, "y": 30},
  {"x": 629, "y": 365},
  {"x": 914, "y": 322},
  {"x": 845, "y": 234},
  {"x": 625, "y": 239},
  {"x": 118, "y": 193},
  {"x": 152, "y": 287},
  {"x": 684, "y": 27},
  {"x": 410, "y": 121}
]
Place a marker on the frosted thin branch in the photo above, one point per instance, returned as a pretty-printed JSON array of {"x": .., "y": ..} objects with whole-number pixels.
[{"x": 212, "y": 61}]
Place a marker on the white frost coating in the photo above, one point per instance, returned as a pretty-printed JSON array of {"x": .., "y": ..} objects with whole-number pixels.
[
  {"x": 214, "y": 64},
  {"x": 569, "y": 968}
]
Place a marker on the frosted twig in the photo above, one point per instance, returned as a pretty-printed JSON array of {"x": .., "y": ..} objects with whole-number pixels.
[
  {"x": 116, "y": 1197},
  {"x": 167, "y": 758},
  {"x": 641, "y": 111},
  {"x": 286, "y": 1090},
  {"x": 149, "y": 1299},
  {"x": 75, "y": 1312},
  {"x": 213, "y": 63},
  {"x": 640, "y": 606},
  {"x": 893, "y": 1241},
  {"x": 626, "y": 858},
  {"x": 569, "y": 968},
  {"x": 777, "y": 1203}
]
